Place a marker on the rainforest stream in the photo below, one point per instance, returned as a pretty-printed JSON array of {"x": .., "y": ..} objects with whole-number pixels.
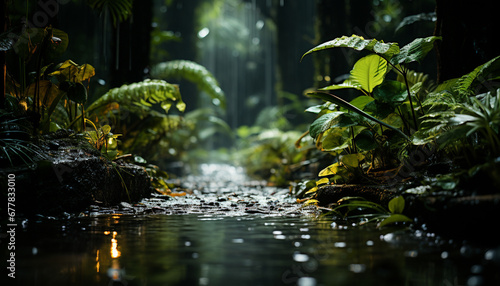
[{"x": 231, "y": 231}]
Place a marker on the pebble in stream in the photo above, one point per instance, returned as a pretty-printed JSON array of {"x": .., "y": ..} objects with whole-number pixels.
[{"x": 219, "y": 190}]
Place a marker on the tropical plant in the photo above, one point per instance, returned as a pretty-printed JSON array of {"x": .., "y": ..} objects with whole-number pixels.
[
  {"x": 372, "y": 130},
  {"x": 193, "y": 72},
  {"x": 461, "y": 121},
  {"x": 360, "y": 209}
]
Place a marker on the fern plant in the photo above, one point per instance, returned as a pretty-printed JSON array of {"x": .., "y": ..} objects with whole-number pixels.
[
  {"x": 139, "y": 98},
  {"x": 194, "y": 73}
]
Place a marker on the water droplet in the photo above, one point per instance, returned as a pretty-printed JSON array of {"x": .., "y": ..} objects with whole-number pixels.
[
  {"x": 357, "y": 268},
  {"x": 299, "y": 257},
  {"x": 444, "y": 254},
  {"x": 340, "y": 244},
  {"x": 306, "y": 281}
]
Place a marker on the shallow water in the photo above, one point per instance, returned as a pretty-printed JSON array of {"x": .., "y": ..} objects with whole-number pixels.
[
  {"x": 244, "y": 250},
  {"x": 135, "y": 245}
]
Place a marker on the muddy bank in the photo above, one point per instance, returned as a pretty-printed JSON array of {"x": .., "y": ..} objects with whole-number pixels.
[
  {"x": 456, "y": 215},
  {"x": 71, "y": 175}
]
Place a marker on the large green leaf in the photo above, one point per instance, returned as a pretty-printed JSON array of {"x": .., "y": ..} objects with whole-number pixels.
[
  {"x": 368, "y": 72},
  {"x": 386, "y": 50},
  {"x": 414, "y": 51},
  {"x": 390, "y": 91},
  {"x": 335, "y": 140},
  {"x": 348, "y": 83},
  {"x": 339, "y": 101},
  {"x": 331, "y": 120}
]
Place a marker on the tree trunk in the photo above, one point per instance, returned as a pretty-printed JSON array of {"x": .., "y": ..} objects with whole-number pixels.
[
  {"x": 3, "y": 66},
  {"x": 131, "y": 46}
]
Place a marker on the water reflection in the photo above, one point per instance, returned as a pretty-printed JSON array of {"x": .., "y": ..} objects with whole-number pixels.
[{"x": 245, "y": 250}]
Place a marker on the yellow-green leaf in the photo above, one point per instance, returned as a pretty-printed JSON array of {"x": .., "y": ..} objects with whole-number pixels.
[
  {"x": 352, "y": 160},
  {"x": 330, "y": 170},
  {"x": 322, "y": 181}
]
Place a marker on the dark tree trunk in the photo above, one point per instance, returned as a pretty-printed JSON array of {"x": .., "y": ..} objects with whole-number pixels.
[
  {"x": 470, "y": 36},
  {"x": 295, "y": 36},
  {"x": 131, "y": 46}
]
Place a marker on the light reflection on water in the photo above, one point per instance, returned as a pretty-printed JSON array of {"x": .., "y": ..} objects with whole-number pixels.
[{"x": 219, "y": 250}]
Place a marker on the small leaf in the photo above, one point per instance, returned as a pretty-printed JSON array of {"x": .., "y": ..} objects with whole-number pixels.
[
  {"x": 311, "y": 202},
  {"x": 330, "y": 170},
  {"x": 396, "y": 205},
  {"x": 394, "y": 218},
  {"x": 322, "y": 181},
  {"x": 312, "y": 190}
]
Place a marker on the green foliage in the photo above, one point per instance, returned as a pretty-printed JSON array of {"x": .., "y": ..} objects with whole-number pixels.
[
  {"x": 361, "y": 209},
  {"x": 193, "y": 72},
  {"x": 140, "y": 97},
  {"x": 372, "y": 130},
  {"x": 102, "y": 139},
  {"x": 386, "y": 50}
]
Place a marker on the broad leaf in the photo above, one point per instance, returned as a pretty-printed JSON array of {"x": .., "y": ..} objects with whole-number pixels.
[
  {"x": 352, "y": 160},
  {"x": 348, "y": 83},
  {"x": 335, "y": 140},
  {"x": 70, "y": 71},
  {"x": 330, "y": 120},
  {"x": 390, "y": 91},
  {"x": 368, "y": 72},
  {"x": 387, "y": 50},
  {"x": 365, "y": 140},
  {"x": 397, "y": 205},
  {"x": 394, "y": 218},
  {"x": 415, "y": 51},
  {"x": 337, "y": 100}
]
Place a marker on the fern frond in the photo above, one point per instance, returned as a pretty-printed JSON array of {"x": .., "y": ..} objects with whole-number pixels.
[
  {"x": 194, "y": 73},
  {"x": 139, "y": 97},
  {"x": 467, "y": 83}
]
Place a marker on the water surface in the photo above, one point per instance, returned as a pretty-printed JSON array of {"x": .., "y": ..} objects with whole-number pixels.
[{"x": 238, "y": 250}]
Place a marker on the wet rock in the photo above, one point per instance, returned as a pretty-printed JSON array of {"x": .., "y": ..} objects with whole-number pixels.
[{"x": 74, "y": 176}]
